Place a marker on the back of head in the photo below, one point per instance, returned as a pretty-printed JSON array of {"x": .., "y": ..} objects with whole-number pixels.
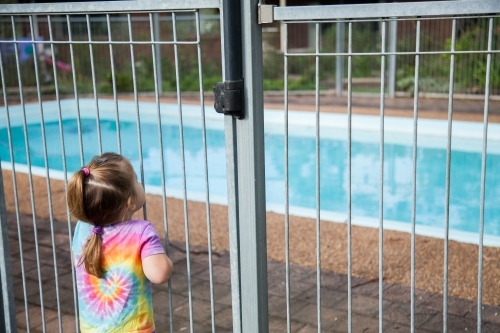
[{"x": 98, "y": 194}]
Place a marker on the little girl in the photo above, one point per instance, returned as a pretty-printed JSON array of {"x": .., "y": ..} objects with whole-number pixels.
[{"x": 116, "y": 257}]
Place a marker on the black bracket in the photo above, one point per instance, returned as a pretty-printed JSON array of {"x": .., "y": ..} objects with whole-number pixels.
[{"x": 229, "y": 98}]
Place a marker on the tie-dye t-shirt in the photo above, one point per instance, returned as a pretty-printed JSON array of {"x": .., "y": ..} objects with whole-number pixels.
[{"x": 121, "y": 301}]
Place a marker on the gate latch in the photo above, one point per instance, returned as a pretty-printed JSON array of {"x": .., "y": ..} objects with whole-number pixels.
[{"x": 229, "y": 98}]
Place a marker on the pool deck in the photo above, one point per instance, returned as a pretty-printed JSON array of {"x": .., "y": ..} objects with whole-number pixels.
[
  {"x": 465, "y": 107},
  {"x": 462, "y": 313},
  {"x": 468, "y": 108}
]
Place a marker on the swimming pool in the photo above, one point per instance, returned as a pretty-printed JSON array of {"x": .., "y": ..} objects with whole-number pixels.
[{"x": 431, "y": 161}]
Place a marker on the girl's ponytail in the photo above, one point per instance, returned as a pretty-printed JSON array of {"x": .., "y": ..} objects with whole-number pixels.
[
  {"x": 91, "y": 254},
  {"x": 92, "y": 251}
]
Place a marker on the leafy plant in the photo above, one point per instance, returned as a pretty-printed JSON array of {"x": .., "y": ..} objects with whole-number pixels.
[{"x": 468, "y": 67}]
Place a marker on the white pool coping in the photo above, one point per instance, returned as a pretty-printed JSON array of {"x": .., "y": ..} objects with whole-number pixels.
[{"x": 467, "y": 136}]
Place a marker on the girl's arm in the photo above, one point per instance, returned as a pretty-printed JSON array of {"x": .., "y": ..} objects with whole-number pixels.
[{"x": 157, "y": 268}]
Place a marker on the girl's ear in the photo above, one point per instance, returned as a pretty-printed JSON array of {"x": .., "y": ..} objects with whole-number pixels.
[{"x": 131, "y": 204}]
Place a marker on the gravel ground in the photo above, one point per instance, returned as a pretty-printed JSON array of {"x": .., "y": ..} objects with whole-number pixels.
[{"x": 463, "y": 258}]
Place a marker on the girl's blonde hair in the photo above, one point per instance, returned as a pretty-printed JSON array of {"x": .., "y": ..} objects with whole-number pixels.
[{"x": 98, "y": 194}]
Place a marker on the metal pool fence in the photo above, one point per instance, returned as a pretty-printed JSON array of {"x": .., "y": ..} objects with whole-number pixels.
[{"x": 37, "y": 275}]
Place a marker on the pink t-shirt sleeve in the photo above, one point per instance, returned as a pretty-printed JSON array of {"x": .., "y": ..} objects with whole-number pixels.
[{"x": 150, "y": 242}]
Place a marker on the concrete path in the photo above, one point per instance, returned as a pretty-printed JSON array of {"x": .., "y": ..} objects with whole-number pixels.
[
  {"x": 39, "y": 252},
  {"x": 471, "y": 109}
]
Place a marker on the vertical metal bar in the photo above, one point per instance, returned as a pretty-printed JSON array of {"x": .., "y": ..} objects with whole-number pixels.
[
  {"x": 16, "y": 196},
  {"x": 75, "y": 86},
  {"x": 47, "y": 177},
  {"x": 381, "y": 181},
  {"x": 414, "y": 181},
  {"x": 232, "y": 70},
  {"x": 349, "y": 177},
  {"x": 30, "y": 176},
  {"x": 157, "y": 50},
  {"x": 483, "y": 178},
  {"x": 287, "y": 190},
  {"x": 113, "y": 82},
  {"x": 92, "y": 69},
  {"x": 138, "y": 118},
  {"x": 251, "y": 177},
  {"x": 393, "y": 39},
  {"x": 8, "y": 309},
  {"x": 65, "y": 171},
  {"x": 183, "y": 161},
  {"x": 318, "y": 189},
  {"x": 36, "y": 31},
  {"x": 205, "y": 160},
  {"x": 448, "y": 167},
  {"x": 339, "y": 60},
  {"x": 162, "y": 165}
]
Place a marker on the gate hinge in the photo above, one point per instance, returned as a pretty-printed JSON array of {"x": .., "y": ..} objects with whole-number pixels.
[
  {"x": 229, "y": 98},
  {"x": 266, "y": 13}
]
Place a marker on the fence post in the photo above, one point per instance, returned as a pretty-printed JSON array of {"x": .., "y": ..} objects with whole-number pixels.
[
  {"x": 7, "y": 308},
  {"x": 242, "y": 58},
  {"x": 251, "y": 178}
]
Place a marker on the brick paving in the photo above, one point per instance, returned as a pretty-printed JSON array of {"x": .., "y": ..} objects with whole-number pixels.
[{"x": 462, "y": 313}]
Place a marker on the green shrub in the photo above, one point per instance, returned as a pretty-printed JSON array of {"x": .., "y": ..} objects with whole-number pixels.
[{"x": 469, "y": 69}]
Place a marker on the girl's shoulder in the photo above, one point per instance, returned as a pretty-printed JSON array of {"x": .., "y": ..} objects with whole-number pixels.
[
  {"x": 82, "y": 229},
  {"x": 80, "y": 235}
]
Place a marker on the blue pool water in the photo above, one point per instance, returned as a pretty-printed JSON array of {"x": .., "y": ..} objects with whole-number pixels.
[{"x": 431, "y": 170}]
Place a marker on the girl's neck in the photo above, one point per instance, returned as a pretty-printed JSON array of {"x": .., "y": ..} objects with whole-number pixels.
[{"x": 128, "y": 216}]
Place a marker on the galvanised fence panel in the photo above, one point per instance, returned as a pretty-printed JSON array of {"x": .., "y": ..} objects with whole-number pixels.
[
  {"x": 340, "y": 191},
  {"x": 72, "y": 78}
]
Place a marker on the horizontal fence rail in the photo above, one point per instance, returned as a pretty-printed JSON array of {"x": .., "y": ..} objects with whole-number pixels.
[
  {"x": 388, "y": 10},
  {"x": 106, "y": 7}
]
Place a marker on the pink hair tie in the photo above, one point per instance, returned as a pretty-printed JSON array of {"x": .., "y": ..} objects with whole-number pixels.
[
  {"x": 97, "y": 230},
  {"x": 86, "y": 171}
]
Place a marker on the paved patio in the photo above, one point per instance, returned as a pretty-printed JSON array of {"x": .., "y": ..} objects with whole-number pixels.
[{"x": 428, "y": 312}]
